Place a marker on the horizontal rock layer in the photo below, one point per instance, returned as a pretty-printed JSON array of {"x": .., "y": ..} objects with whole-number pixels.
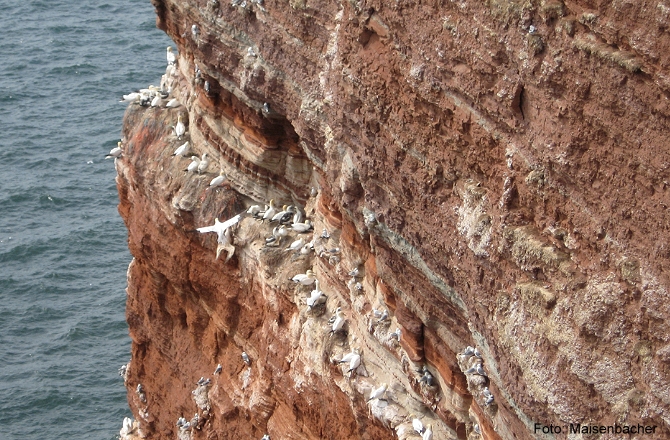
[{"x": 498, "y": 173}]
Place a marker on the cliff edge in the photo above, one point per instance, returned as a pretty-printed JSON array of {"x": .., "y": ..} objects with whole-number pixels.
[{"x": 487, "y": 184}]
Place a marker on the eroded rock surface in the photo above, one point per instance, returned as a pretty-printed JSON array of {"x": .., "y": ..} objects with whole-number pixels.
[{"x": 496, "y": 171}]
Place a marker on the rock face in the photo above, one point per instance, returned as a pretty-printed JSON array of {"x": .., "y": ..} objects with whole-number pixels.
[{"x": 496, "y": 171}]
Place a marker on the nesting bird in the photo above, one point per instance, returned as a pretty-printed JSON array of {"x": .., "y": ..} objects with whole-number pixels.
[
  {"x": 180, "y": 128},
  {"x": 305, "y": 279},
  {"x": 193, "y": 166},
  {"x": 114, "y": 152},
  {"x": 378, "y": 393},
  {"x": 171, "y": 58},
  {"x": 428, "y": 433},
  {"x": 218, "y": 369},
  {"x": 245, "y": 359},
  {"x": 417, "y": 425},
  {"x": 317, "y": 297},
  {"x": 204, "y": 162},
  {"x": 182, "y": 150},
  {"x": 217, "y": 181},
  {"x": 339, "y": 321}
]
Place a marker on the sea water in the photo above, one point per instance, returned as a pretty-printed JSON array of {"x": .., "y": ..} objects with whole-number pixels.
[{"x": 63, "y": 246}]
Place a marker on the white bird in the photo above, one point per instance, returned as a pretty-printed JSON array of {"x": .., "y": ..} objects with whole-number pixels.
[
  {"x": 349, "y": 356},
  {"x": 302, "y": 227},
  {"x": 306, "y": 249},
  {"x": 182, "y": 150},
  {"x": 305, "y": 279},
  {"x": 156, "y": 102},
  {"x": 220, "y": 228},
  {"x": 131, "y": 97},
  {"x": 193, "y": 166},
  {"x": 127, "y": 426},
  {"x": 316, "y": 297},
  {"x": 354, "y": 363},
  {"x": 296, "y": 244},
  {"x": 254, "y": 210},
  {"x": 171, "y": 58},
  {"x": 174, "y": 102},
  {"x": 338, "y": 324},
  {"x": 245, "y": 358},
  {"x": 428, "y": 433},
  {"x": 378, "y": 393},
  {"x": 202, "y": 166},
  {"x": 277, "y": 217},
  {"x": 417, "y": 424},
  {"x": 180, "y": 128},
  {"x": 195, "y": 31},
  {"x": 217, "y": 181},
  {"x": 280, "y": 231},
  {"x": 271, "y": 211},
  {"x": 297, "y": 217},
  {"x": 218, "y": 369},
  {"x": 115, "y": 152},
  {"x": 250, "y": 52}
]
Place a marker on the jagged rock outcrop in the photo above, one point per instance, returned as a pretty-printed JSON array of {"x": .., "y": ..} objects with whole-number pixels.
[{"x": 496, "y": 171}]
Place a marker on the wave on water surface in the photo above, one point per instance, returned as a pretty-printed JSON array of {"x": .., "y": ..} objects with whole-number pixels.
[{"x": 63, "y": 246}]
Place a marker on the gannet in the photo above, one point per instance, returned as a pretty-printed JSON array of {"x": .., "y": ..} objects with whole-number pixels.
[
  {"x": 174, "y": 102},
  {"x": 127, "y": 426},
  {"x": 182, "y": 150},
  {"x": 254, "y": 210},
  {"x": 193, "y": 166},
  {"x": 271, "y": 211},
  {"x": 278, "y": 216},
  {"x": 316, "y": 297},
  {"x": 202, "y": 166},
  {"x": 171, "y": 58},
  {"x": 349, "y": 356},
  {"x": 306, "y": 278},
  {"x": 428, "y": 433},
  {"x": 302, "y": 227},
  {"x": 217, "y": 181},
  {"x": 115, "y": 152},
  {"x": 306, "y": 249},
  {"x": 378, "y": 393},
  {"x": 339, "y": 321},
  {"x": 180, "y": 128},
  {"x": 156, "y": 102},
  {"x": 280, "y": 231},
  {"x": 226, "y": 245},
  {"x": 417, "y": 424},
  {"x": 354, "y": 363},
  {"x": 296, "y": 245},
  {"x": 131, "y": 97},
  {"x": 220, "y": 227},
  {"x": 297, "y": 218}
]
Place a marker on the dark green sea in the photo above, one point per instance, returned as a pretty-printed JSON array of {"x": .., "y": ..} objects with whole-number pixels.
[{"x": 63, "y": 246}]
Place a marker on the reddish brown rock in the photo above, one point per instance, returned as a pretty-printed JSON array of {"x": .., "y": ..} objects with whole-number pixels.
[{"x": 498, "y": 171}]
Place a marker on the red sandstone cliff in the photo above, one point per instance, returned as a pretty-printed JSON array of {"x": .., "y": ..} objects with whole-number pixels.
[{"x": 497, "y": 171}]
